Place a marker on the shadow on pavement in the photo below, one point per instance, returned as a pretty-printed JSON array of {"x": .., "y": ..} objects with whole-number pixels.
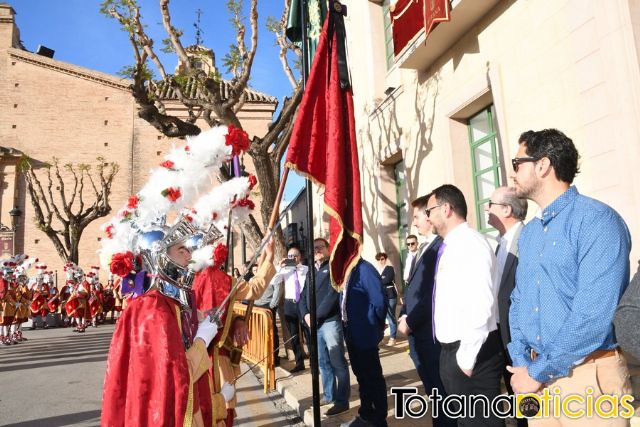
[{"x": 61, "y": 420}]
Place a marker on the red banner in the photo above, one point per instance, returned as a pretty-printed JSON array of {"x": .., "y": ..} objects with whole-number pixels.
[
  {"x": 323, "y": 148},
  {"x": 409, "y": 17},
  {"x": 436, "y": 11}
]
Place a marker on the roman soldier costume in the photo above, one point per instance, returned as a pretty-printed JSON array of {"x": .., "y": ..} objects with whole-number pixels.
[
  {"x": 7, "y": 308},
  {"x": 161, "y": 338}
]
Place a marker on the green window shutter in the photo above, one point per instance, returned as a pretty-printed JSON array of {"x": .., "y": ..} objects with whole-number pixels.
[
  {"x": 388, "y": 34},
  {"x": 484, "y": 162}
]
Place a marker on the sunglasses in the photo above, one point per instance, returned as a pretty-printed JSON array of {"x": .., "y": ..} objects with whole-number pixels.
[
  {"x": 412, "y": 243},
  {"x": 494, "y": 203},
  {"x": 427, "y": 212},
  {"x": 516, "y": 161}
]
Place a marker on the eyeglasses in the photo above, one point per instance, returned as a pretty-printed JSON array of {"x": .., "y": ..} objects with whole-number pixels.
[
  {"x": 412, "y": 243},
  {"x": 427, "y": 212},
  {"x": 292, "y": 256},
  {"x": 494, "y": 203},
  {"x": 515, "y": 162}
]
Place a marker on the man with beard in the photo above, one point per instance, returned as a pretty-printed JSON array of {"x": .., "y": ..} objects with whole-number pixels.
[{"x": 573, "y": 268}]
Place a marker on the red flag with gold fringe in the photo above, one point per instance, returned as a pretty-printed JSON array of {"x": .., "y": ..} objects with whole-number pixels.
[{"x": 323, "y": 147}]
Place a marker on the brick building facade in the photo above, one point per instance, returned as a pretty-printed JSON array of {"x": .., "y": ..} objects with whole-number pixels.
[{"x": 49, "y": 108}]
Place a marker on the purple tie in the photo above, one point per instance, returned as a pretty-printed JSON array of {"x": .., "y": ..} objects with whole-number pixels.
[
  {"x": 297, "y": 282},
  {"x": 433, "y": 295}
]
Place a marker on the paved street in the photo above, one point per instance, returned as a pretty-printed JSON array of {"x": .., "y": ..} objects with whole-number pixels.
[{"x": 55, "y": 379}]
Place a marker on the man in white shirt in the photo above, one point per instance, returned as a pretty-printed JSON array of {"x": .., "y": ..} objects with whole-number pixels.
[
  {"x": 465, "y": 307},
  {"x": 294, "y": 277},
  {"x": 505, "y": 212},
  {"x": 409, "y": 262}
]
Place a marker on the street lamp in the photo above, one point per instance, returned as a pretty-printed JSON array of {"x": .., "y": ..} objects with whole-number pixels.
[{"x": 14, "y": 214}]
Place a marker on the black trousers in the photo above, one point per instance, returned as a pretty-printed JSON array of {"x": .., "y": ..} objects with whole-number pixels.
[
  {"x": 365, "y": 364},
  {"x": 292, "y": 320},
  {"x": 485, "y": 379},
  {"x": 426, "y": 357}
]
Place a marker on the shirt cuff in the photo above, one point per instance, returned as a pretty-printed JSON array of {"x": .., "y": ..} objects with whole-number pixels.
[
  {"x": 545, "y": 371},
  {"x": 519, "y": 355},
  {"x": 467, "y": 353}
]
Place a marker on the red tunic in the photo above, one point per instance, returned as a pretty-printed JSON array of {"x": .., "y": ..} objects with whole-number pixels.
[{"x": 147, "y": 379}]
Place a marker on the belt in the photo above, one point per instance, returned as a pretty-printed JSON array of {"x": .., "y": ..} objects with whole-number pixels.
[
  {"x": 291, "y": 300},
  {"x": 598, "y": 354}
]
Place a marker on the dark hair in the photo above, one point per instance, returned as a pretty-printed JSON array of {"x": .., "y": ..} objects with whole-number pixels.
[
  {"x": 525, "y": 137},
  {"x": 381, "y": 255},
  {"x": 323, "y": 240},
  {"x": 518, "y": 206},
  {"x": 557, "y": 147},
  {"x": 421, "y": 202},
  {"x": 411, "y": 236},
  {"x": 452, "y": 195}
]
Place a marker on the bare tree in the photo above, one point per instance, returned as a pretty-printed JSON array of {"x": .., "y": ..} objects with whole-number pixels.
[
  {"x": 217, "y": 101},
  {"x": 63, "y": 214}
]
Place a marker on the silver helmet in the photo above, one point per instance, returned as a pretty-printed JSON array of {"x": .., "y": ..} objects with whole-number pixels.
[{"x": 154, "y": 248}]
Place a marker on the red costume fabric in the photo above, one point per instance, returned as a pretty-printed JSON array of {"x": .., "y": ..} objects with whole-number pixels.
[
  {"x": 211, "y": 286},
  {"x": 7, "y": 303},
  {"x": 147, "y": 379}
]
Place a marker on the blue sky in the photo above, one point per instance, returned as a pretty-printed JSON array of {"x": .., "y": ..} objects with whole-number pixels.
[{"x": 80, "y": 35}]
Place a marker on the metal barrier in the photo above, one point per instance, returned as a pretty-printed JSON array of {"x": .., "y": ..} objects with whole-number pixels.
[{"x": 259, "y": 349}]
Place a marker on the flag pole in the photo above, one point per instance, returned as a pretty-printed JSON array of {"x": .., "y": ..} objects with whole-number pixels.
[{"x": 313, "y": 345}]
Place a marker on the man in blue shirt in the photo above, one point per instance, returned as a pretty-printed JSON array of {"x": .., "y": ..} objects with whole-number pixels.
[{"x": 573, "y": 268}]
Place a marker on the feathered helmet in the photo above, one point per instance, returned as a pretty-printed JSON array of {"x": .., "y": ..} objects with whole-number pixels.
[
  {"x": 139, "y": 237},
  {"x": 91, "y": 278},
  {"x": 69, "y": 270},
  {"x": 41, "y": 269},
  {"x": 78, "y": 274},
  {"x": 15, "y": 267},
  {"x": 22, "y": 270},
  {"x": 95, "y": 269},
  {"x": 47, "y": 277}
]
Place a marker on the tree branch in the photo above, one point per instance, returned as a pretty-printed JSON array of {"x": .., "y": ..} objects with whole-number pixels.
[
  {"x": 240, "y": 85},
  {"x": 288, "y": 111},
  {"x": 173, "y": 35}
]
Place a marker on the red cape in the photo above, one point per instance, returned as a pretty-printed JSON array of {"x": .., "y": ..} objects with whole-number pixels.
[
  {"x": 147, "y": 378},
  {"x": 211, "y": 286}
]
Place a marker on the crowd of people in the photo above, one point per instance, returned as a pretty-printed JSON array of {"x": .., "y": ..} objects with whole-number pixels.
[
  {"x": 81, "y": 301},
  {"x": 534, "y": 311}
]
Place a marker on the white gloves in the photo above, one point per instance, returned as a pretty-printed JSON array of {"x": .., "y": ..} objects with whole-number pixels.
[
  {"x": 227, "y": 391},
  {"x": 207, "y": 330}
]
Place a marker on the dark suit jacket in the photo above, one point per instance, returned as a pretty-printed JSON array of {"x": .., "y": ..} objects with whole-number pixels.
[
  {"x": 507, "y": 283},
  {"x": 327, "y": 299},
  {"x": 418, "y": 295},
  {"x": 366, "y": 306}
]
